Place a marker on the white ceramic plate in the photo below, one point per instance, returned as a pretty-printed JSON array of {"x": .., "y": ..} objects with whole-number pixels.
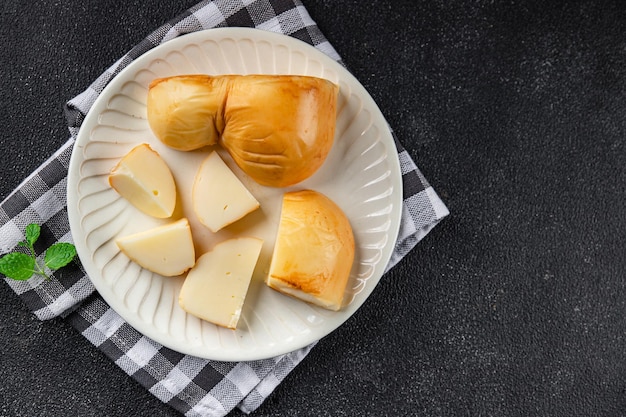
[{"x": 361, "y": 174}]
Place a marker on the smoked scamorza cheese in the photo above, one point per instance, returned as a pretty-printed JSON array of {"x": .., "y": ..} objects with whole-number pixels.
[
  {"x": 219, "y": 198},
  {"x": 314, "y": 250},
  {"x": 166, "y": 250},
  {"x": 144, "y": 179},
  {"x": 216, "y": 287},
  {"x": 278, "y": 129}
]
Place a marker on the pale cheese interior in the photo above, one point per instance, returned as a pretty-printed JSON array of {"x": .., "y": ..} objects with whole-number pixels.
[
  {"x": 143, "y": 178},
  {"x": 215, "y": 289},
  {"x": 167, "y": 250},
  {"x": 219, "y": 198}
]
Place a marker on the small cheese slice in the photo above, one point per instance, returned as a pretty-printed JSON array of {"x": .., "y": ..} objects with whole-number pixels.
[
  {"x": 215, "y": 288},
  {"x": 143, "y": 178},
  {"x": 219, "y": 198},
  {"x": 167, "y": 250}
]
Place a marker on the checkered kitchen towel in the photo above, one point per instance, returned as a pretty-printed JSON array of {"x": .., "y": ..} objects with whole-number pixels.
[{"x": 194, "y": 386}]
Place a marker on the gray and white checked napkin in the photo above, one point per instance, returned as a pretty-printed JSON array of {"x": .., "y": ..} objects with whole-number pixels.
[{"x": 193, "y": 386}]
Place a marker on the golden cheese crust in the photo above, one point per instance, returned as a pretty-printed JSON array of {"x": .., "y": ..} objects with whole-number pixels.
[
  {"x": 314, "y": 250},
  {"x": 279, "y": 129}
]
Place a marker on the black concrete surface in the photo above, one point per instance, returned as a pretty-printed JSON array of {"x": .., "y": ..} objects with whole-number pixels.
[{"x": 514, "y": 306}]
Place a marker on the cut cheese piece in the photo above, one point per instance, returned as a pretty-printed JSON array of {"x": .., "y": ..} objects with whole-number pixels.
[
  {"x": 219, "y": 197},
  {"x": 314, "y": 250},
  {"x": 215, "y": 289},
  {"x": 143, "y": 178},
  {"x": 167, "y": 250}
]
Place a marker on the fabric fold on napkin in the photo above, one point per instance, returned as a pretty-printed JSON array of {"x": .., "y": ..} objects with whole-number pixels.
[{"x": 191, "y": 385}]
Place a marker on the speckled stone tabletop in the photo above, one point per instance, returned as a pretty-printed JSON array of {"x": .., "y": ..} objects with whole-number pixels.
[{"x": 515, "y": 305}]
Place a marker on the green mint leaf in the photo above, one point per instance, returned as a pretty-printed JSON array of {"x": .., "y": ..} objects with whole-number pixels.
[
  {"x": 17, "y": 266},
  {"x": 59, "y": 255},
  {"x": 32, "y": 233}
]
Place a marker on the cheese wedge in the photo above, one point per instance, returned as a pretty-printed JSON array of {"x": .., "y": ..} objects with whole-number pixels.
[
  {"x": 314, "y": 250},
  {"x": 167, "y": 250},
  {"x": 215, "y": 289},
  {"x": 219, "y": 198},
  {"x": 143, "y": 178}
]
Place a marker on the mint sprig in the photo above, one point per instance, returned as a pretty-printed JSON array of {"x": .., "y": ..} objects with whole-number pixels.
[{"x": 21, "y": 266}]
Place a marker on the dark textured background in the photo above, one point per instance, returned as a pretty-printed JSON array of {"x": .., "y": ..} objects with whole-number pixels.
[{"x": 515, "y": 305}]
